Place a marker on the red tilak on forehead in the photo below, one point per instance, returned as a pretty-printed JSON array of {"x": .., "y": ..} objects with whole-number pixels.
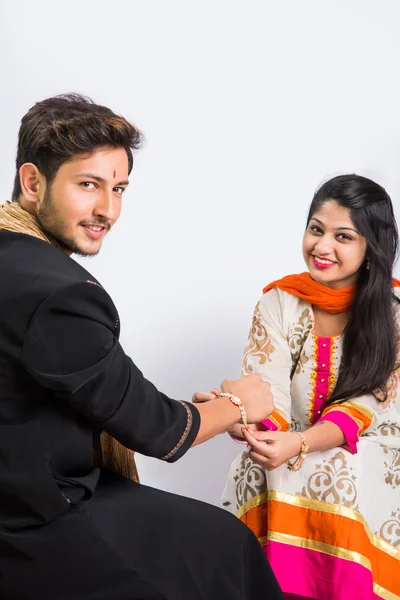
[{"x": 114, "y": 174}]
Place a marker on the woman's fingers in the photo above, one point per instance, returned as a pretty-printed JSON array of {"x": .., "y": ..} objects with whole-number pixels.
[
  {"x": 262, "y": 453},
  {"x": 259, "y": 446},
  {"x": 266, "y": 436},
  {"x": 261, "y": 460}
]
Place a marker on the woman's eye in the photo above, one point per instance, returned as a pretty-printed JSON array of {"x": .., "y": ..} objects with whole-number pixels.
[
  {"x": 344, "y": 236},
  {"x": 315, "y": 229},
  {"x": 88, "y": 185}
]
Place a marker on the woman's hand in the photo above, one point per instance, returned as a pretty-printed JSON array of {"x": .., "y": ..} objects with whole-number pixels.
[
  {"x": 237, "y": 430},
  {"x": 271, "y": 449}
]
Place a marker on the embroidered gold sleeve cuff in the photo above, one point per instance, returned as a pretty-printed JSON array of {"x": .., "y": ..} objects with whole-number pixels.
[{"x": 189, "y": 423}]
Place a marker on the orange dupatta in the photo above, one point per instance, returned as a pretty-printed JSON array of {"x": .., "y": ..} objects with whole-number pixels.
[{"x": 325, "y": 298}]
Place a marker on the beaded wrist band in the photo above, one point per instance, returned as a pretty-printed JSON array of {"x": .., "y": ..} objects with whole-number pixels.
[
  {"x": 237, "y": 402},
  {"x": 298, "y": 463}
]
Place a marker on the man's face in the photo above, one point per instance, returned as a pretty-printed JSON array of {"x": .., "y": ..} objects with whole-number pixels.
[{"x": 84, "y": 200}]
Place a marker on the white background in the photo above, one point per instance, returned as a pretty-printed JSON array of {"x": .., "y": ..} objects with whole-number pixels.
[{"x": 246, "y": 106}]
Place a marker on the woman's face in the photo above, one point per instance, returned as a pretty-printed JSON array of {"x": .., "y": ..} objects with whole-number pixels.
[{"x": 332, "y": 247}]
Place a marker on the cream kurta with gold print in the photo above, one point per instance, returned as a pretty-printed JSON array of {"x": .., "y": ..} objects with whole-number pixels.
[{"x": 284, "y": 350}]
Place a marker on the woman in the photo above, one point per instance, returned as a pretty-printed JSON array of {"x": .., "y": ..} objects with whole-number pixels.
[{"x": 319, "y": 483}]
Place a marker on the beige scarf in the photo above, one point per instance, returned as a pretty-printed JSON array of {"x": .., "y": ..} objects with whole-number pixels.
[{"x": 108, "y": 453}]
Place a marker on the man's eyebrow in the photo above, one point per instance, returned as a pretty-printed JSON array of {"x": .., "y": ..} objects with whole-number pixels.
[{"x": 100, "y": 179}]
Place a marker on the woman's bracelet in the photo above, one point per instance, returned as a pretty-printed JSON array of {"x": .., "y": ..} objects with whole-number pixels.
[
  {"x": 237, "y": 402},
  {"x": 298, "y": 463}
]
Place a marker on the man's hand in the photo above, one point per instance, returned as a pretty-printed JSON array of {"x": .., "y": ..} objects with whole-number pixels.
[
  {"x": 255, "y": 395},
  {"x": 205, "y": 396},
  {"x": 253, "y": 391}
]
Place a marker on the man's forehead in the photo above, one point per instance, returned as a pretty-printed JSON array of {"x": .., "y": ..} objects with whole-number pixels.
[{"x": 110, "y": 163}]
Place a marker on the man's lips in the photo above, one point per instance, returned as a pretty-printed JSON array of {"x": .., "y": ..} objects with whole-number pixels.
[{"x": 95, "y": 231}]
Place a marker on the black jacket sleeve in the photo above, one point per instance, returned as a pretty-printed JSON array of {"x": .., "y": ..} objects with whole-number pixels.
[{"x": 70, "y": 347}]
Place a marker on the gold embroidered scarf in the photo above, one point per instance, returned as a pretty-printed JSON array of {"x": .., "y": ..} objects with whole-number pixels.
[{"x": 108, "y": 452}]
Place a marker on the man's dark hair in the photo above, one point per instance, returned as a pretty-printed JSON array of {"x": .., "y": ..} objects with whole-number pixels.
[{"x": 58, "y": 129}]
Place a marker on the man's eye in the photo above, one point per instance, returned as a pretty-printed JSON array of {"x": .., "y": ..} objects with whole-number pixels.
[
  {"x": 119, "y": 190},
  {"x": 88, "y": 185}
]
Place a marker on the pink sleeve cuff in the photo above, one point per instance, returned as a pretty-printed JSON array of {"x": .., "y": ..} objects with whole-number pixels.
[
  {"x": 237, "y": 439},
  {"x": 348, "y": 426},
  {"x": 268, "y": 424}
]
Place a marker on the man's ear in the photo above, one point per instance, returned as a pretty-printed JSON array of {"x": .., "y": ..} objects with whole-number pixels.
[{"x": 33, "y": 184}]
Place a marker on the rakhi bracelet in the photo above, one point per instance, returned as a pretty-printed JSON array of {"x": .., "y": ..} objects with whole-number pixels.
[
  {"x": 237, "y": 402},
  {"x": 304, "y": 448}
]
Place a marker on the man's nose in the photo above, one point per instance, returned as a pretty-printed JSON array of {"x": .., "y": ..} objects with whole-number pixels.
[{"x": 105, "y": 205}]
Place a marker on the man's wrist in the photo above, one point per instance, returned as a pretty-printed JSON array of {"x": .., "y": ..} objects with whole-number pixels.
[{"x": 232, "y": 412}]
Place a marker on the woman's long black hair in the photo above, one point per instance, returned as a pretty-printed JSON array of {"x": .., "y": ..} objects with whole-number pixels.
[{"x": 370, "y": 337}]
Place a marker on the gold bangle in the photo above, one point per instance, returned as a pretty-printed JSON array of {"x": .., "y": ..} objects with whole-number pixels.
[
  {"x": 237, "y": 402},
  {"x": 304, "y": 448}
]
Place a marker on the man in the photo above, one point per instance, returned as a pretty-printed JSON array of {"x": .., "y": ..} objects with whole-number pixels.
[{"x": 69, "y": 529}]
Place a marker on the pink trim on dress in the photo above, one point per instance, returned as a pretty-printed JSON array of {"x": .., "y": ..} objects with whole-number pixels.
[
  {"x": 318, "y": 576},
  {"x": 348, "y": 426},
  {"x": 238, "y": 439},
  {"x": 323, "y": 371},
  {"x": 321, "y": 376},
  {"x": 268, "y": 424}
]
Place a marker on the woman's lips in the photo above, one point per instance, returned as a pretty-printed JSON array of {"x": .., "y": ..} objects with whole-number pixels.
[{"x": 322, "y": 265}]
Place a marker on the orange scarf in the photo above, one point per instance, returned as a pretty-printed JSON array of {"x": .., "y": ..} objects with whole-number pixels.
[{"x": 325, "y": 298}]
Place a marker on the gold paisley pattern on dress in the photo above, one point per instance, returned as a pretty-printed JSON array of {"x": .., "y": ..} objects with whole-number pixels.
[
  {"x": 392, "y": 464},
  {"x": 389, "y": 428},
  {"x": 388, "y": 393},
  {"x": 390, "y": 530},
  {"x": 333, "y": 481},
  {"x": 390, "y": 390},
  {"x": 392, "y": 476},
  {"x": 295, "y": 425},
  {"x": 301, "y": 361},
  {"x": 250, "y": 480},
  {"x": 297, "y": 338},
  {"x": 259, "y": 345}
]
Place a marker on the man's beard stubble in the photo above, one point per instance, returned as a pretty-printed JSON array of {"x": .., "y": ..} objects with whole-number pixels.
[{"x": 53, "y": 225}]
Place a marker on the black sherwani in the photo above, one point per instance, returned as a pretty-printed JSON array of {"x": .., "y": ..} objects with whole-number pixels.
[{"x": 69, "y": 531}]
